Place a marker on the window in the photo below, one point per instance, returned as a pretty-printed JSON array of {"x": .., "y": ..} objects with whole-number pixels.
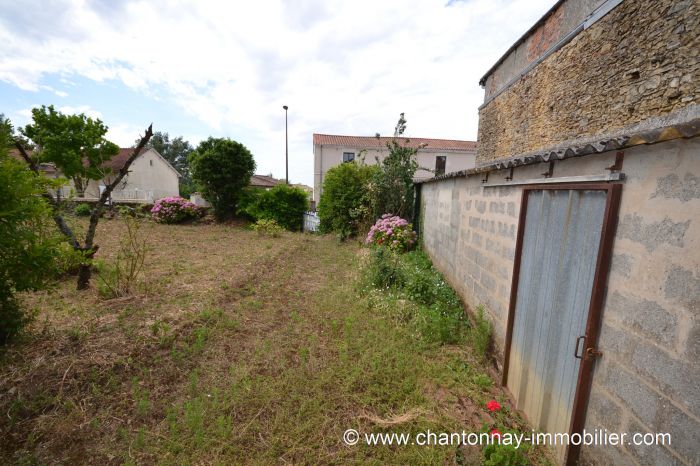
[
  {"x": 348, "y": 156},
  {"x": 440, "y": 162},
  {"x": 151, "y": 161}
]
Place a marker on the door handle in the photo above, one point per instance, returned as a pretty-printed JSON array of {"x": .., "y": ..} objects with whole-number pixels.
[{"x": 578, "y": 345}]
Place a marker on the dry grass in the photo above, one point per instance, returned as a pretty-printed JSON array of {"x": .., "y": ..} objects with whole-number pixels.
[{"x": 236, "y": 349}]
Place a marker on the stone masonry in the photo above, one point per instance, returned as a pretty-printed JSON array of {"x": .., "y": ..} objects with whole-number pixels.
[{"x": 638, "y": 61}]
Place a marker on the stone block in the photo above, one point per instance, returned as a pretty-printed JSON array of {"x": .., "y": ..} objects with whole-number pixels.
[
  {"x": 644, "y": 316},
  {"x": 630, "y": 389},
  {"x": 676, "y": 378},
  {"x": 685, "y": 433}
]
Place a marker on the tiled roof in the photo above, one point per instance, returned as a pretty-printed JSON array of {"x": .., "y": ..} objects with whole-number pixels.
[
  {"x": 263, "y": 181},
  {"x": 373, "y": 142},
  {"x": 118, "y": 161}
]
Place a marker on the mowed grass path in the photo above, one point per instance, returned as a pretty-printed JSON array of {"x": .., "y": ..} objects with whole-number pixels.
[{"x": 238, "y": 349}]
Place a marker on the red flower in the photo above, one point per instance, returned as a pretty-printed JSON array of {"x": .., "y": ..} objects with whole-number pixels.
[
  {"x": 493, "y": 405},
  {"x": 496, "y": 433}
]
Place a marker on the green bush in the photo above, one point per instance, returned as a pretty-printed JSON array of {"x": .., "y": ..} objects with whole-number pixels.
[
  {"x": 504, "y": 455},
  {"x": 344, "y": 203},
  {"x": 267, "y": 227},
  {"x": 283, "y": 203},
  {"x": 30, "y": 247},
  {"x": 82, "y": 210}
]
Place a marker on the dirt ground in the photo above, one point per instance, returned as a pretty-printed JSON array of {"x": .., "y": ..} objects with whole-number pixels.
[{"x": 235, "y": 348}]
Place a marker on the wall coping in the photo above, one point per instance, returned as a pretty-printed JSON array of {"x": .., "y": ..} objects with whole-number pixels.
[{"x": 683, "y": 124}]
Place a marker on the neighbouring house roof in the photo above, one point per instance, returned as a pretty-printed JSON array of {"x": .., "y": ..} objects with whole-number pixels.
[
  {"x": 47, "y": 168},
  {"x": 263, "y": 181},
  {"x": 117, "y": 162},
  {"x": 373, "y": 142}
]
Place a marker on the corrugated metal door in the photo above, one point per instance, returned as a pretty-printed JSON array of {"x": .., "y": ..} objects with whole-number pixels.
[{"x": 562, "y": 232}]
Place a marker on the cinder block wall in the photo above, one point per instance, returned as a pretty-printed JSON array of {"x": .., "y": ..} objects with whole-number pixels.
[
  {"x": 648, "y": 378},
  {"x": 469, "y": 232},
  {"x": 638, "y": 61}
]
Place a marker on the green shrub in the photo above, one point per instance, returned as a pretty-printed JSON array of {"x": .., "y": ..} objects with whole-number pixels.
[
  {"x": 30, "y": 247},
  {"x": 504, "y": 455},
  {"x": 267, "y": 227},
  {"x": 283, "y": 203},
  {"x": 343, "y": 206},
  {"x": 83, "y": 210},
  {"x": 384, "y": 270}
]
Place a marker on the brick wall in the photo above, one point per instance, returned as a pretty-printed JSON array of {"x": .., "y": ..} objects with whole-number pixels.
[{"x": 638, "y": 61}]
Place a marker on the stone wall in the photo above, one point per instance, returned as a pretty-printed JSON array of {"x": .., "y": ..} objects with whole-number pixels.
[
  {"x": 638, "y": 61},
  {"x": 647, "y": 379}
]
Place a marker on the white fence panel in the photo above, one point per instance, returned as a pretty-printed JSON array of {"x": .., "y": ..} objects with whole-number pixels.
[{"x": 311, "y": 221}]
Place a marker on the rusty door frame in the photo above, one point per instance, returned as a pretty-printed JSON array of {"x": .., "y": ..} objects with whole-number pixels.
[{"x": 600, "y": 280}]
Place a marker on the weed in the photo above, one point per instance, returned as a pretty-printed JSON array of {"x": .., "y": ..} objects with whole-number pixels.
[
  {"x": 480, "y": 333},
  {"x": 268, "y": 227},
  {"x": 119, "y": 277}
]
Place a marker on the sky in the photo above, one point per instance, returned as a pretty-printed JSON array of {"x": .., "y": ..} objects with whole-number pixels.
[{"x": 225, "y": 68}]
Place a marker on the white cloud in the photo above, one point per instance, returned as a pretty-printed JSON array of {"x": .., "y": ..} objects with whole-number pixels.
[
  {"x": 342, "y": 67},
  {"x": 86, "y": 109}
]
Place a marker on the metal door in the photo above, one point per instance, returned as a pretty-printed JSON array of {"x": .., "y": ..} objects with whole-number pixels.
[{"x": 558, "y": 261}]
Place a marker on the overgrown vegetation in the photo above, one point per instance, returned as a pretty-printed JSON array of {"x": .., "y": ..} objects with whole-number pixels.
[
  {"x": 343, "y": 207},
  {"x": 283, "y": 203},
  {"x": 77, "y": 147},
  {"x": 267, "y": 227},
  {"x": 120, "y": 276},
  {"x": 356, "y": 194},
  {"x": 30, "y": 247},
  {"x": 275, "y": 358},
  {"x": 222, "y": 168},
  {"x": 431, "y": 307}
]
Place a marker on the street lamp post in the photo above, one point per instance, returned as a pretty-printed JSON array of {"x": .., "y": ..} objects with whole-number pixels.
[{"x": 286, "y": 145}]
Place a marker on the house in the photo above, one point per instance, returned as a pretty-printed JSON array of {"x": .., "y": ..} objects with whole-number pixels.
[
  {"x": 578, "y": 231},
  {"x": 150, "y": 177},
  {"x": 435, "y": 156},
  {"x": 263, "y": 181}
]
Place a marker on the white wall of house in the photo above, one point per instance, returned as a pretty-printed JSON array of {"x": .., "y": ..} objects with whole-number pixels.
[
  {"x": 329, "y": 156},
  {"x": 150, "y": 178}
]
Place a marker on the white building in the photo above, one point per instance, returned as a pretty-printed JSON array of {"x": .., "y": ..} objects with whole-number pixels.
[{"x": 434, "y": 157}]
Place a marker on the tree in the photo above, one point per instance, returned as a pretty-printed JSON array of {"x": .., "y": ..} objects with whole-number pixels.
[
  {"x": 176, "y": 151},
  {"x": 222, "y": 168},
  {"x": 344, "y": 201},
  {"x": 77, "y": 146},
  {"x": 74, "y": 143},
  {"x": 29, "y": 245},
  {"x": 283, "y": 203},
  {"x": 392, "y": 187}
]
